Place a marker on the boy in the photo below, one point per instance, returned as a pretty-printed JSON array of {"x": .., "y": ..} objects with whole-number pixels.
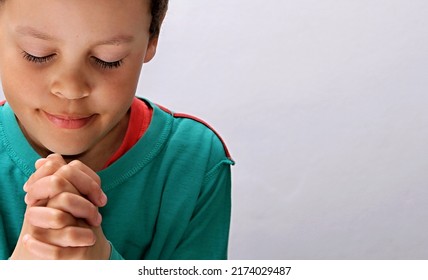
[{"x": 72, "y": 134}]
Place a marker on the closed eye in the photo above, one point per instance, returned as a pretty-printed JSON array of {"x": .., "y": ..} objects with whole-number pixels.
[
  {"x": 108, "y": 65},
  {"x": 37, "y": 59}
]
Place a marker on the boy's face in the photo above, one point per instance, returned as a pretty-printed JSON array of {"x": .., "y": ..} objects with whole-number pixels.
[{"x": 70, "y": 68}]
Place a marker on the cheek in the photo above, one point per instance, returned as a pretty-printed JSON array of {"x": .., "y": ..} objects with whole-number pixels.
[
  {"x": 18, "y": 79},
  {"x": 113, "y": 94},
  {"x": 13, "y": 83},
  {"x": 122, "y": 84}
]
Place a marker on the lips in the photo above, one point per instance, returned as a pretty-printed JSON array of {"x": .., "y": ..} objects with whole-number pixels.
[{"x": 69, "y": 121}]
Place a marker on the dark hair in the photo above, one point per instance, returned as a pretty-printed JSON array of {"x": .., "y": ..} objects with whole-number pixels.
[{"x": 158, "y": 11}]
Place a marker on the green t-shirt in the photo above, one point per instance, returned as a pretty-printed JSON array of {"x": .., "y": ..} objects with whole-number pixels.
[{"x": 169, "y": 196}]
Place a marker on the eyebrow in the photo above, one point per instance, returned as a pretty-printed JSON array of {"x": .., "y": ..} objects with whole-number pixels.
[
  {"x": 115, "y": 40},
  {"x": 30, "y": 31}
]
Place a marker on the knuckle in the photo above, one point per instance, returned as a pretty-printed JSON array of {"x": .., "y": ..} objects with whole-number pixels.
[
  {"x": 94, "y": 188},
  {"x": 75, "y": 163},
  {"x": 48, "y": 165},
  {"x": 57, "y": 219},
  {"x": 62, "y": 200},
  {"x": 57, "y": 183},
  {"x": 56, "y": 253},
  {"x": 79, "y": 236},
  {"x": 94, "y": 212},
  {"x": 66, "y": 169},
  {"x": 65, "y": 199},
  {"x": 54, "y": 179},
  {"x": 71, "y": 233},
  {"x": 56, "y": 187},
  {"x": 51, "y": 166}
]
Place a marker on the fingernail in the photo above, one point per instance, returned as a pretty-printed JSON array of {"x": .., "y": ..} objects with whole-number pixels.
[
  {"x": 103, "y": 199},
  {"x": 25, "y": 187},
  {"x": 27, "y": 201},
  {"x": 25, "y": 238},
  {"x": 39, "y": 163},
  {"x": 54, "y": 157},
  {"x": 99, "y": 219}
]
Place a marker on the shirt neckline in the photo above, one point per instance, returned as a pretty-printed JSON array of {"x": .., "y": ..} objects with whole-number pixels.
[{"x": 147, "y": 147}]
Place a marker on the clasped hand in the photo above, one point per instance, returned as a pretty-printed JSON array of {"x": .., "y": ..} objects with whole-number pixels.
[{"x": 62, "y": 220}]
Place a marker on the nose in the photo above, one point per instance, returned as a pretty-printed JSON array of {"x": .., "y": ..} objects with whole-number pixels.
[{"x": 71, "y": 83}]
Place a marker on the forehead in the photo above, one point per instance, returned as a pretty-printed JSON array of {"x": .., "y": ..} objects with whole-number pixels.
[{"x": 77, "y": 17}]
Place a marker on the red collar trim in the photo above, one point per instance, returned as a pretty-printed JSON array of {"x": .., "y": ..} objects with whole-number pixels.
[{"x": 139, "y": 121}]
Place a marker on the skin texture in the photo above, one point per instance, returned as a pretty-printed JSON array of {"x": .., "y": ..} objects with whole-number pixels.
[{"x": 60, "y": 76}]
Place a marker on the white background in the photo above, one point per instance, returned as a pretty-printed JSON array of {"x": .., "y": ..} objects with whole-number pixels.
[{"x": 322, "y": 104}]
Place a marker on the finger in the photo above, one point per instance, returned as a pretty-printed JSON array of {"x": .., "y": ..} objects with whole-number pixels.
[
  {"x": 49, "y": 218},
  {"x": 39, "y": 163},
  {"x": 47, "y": 188},
  {"x": 77, "y": 173},
  {"x": 77, "y": 206},
  {"x": 36, "y": 247},
  {"x": 86, "y": 169},
  {"x": 53, "y": 157},
  {"x": 45, "y": 167},
  {"x": 84, "y": 180},
  {"x": 49, "y": 251},
  {"x": 71, "y": 236}
]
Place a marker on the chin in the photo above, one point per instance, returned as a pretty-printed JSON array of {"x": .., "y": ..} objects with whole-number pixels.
[{"x": 66, "y": 150}]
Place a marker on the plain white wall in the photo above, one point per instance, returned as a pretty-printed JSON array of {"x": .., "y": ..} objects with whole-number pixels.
[{"x": 323, "y": 107}]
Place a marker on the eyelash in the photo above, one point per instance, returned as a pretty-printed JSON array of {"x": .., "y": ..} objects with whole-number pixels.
[
  {"x": 36, "y": 59},
  {"x": 108, "y": 65},
  {"x": 101, "y": 63}
]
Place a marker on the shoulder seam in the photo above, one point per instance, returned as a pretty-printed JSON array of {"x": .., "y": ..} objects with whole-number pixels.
[{"x": 187, "y": 116}]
